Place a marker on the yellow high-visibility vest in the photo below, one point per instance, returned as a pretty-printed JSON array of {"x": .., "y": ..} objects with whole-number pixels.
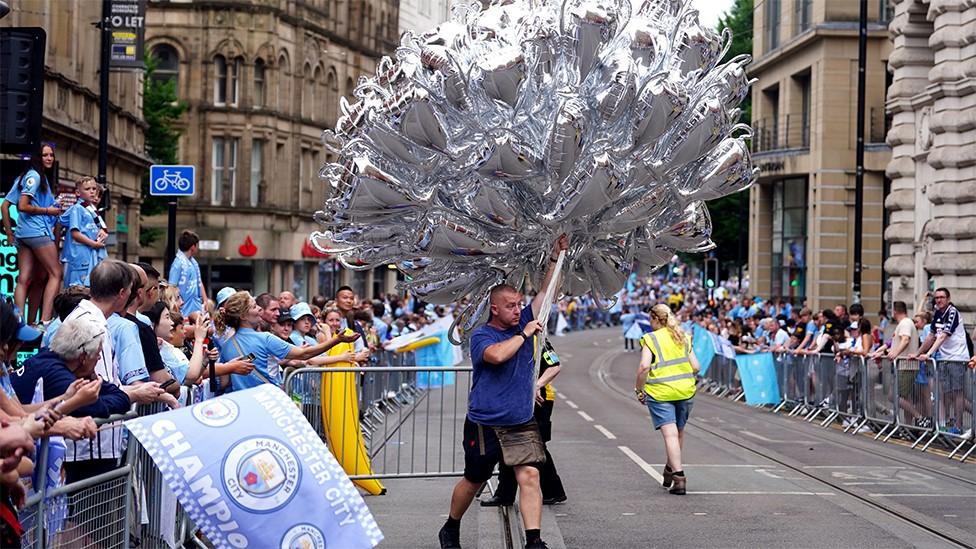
[{"x": 671, "y": 377}]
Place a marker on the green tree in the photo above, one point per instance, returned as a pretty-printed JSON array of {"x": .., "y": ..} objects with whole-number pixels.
[
  {"x": 730, "y": 220},
  {"x": 161, "y": 108}
]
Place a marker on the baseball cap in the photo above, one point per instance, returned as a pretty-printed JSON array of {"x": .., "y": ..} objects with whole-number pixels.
[
  {"x": 299, "y": 310},
  {"x": 224, "y": 293},
  {"x": 853, "y": 326},
  {"x": 14, "y": 325}
]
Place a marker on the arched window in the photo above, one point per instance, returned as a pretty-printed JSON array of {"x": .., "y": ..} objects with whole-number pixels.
[
  {"x": 331, "y": 98},
  {"x": 167, "y": 65},
  {"x": 308, "y": 92},
  {"x": 284, "y": 99},
  {"x": 350, "y": 86},
  {"x": 260, "y": 78},
  {"x": 220, "y": 80},
  {"x": 235, "y": 73}
]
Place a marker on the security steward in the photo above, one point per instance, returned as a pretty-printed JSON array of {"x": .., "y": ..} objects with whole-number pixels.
[
  {"x": 500, "y": 426},
  {"x": 666, "y": 385}
]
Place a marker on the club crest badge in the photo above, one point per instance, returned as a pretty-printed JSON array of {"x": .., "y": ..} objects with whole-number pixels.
[
  {"x": 261, "y": 474},
  {"x": 218, "y": 412},
  {"x": 303, "y": 536}
]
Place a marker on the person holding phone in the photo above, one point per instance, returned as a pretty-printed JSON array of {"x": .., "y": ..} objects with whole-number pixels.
[{"x": 242, "y": 313}]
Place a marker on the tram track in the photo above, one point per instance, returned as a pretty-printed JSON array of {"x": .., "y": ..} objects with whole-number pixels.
[{"x": 599, "y": 371}]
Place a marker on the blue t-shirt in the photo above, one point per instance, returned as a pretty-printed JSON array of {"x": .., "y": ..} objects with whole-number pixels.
[
  {"x": 298, "y": 339},
  {"x": 185, "y": 274},
  {"x": 176, "y": 362},
  {"x": 76, "y": 254},
  {"x": 502, "y": 394},
  {"x": 127, "y": 347},
  {"x": 264, "y": 345},
  {"x": 32, "y": 226}
]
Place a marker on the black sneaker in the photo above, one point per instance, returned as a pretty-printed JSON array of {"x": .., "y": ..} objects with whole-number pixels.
[
  {"x": 449, "y": 539},
  {"x": 554, "y": 500},
  {"x": 496, "y": 501},
  {"x": 537, "y": 545}
]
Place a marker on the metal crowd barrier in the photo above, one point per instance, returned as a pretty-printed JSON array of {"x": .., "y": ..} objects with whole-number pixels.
[
  {"x": 129, "y": 506},
  {"x": 92, "y": 512},
  {"x": 721, "y": 378},
  {"x": 409, "y": 418},
  {"x": 924, "y": 402}
]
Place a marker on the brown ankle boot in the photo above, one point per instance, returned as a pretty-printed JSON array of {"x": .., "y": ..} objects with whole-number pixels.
[
  {"x": 680, "y": 482},
  {"x": 668, "y": 476}
]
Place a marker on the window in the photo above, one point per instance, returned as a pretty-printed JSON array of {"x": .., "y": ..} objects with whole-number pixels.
[
  {"x": 308, "y": 93},
  {"x": 220, "y": 80},
  {"x": 772, "y": 24},
  {"x": 331, "y": 98},
  {"x": 257, "y": 171},
  {"x": 235, "y": 71},
  {"x": 259, "y": 83},
  {"x": 167, "y": 64},
  {"x": 284, "y": 84},
  {"x": 223, "y": 169},
  {"x": 804, "y": 9},
  {"x": 886, "y": 10},
  {"x": 217, "y": 171},
  {"x": 789, "y": 239}
]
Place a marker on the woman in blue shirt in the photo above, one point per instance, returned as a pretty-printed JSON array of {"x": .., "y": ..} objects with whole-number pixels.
[
  {"x": 35, "y": 234},
  {"x": 243, "y": 314}
]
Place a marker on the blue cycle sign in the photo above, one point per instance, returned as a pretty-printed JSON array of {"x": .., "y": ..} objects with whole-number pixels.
[{"x": 172, "y": 180}]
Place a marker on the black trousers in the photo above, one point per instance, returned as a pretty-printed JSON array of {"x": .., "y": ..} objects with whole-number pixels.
[{"x": 552, "y": 485}]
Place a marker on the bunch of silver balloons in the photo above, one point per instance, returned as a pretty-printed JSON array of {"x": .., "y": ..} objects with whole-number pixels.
[{"x": 481, "y": 141}]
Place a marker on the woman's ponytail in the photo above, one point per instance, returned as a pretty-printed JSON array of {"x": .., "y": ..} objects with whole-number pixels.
[{"x": 664, "y": 315}]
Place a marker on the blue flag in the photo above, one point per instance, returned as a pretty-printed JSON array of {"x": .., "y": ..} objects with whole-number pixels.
[
  {"x": 440, "y": 355},
  {"x": 703, "y": 345},
  {"x": 251, "y": 472},
  {"x": 758, "y": 378}
]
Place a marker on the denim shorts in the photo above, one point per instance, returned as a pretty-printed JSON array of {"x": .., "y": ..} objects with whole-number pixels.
[
  {"x": 676, "y": 412},
  {"x": 35, "y": 242}
]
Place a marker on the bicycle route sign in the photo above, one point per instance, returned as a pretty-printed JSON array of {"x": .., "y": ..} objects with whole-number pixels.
[{"x": 166, "y": 180}]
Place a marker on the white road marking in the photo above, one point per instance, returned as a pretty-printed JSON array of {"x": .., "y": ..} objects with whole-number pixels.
[
  {"x": 853, "y": 467},
  {"x": 584, "y": 415},
  {"x": 571, "y": 404},
  {"x": 718, "y": 465},
  {"x": 641, "y": 463},
  {"x": 922, "y": 495},
  {"x": 875, "y": 483},
  {"x": 605, "y": 432},
  {"x": 632, "y": 514},
  {"x": 764, "y": 439},
  {"x": 700, "y": 514},
  {"x": 734, "y": 493},
  {"x": 951, "y": 516},
  {"x": 567, "y": 355}
]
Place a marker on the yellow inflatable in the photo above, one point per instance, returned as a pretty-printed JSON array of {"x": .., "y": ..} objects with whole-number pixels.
[
  {"x": 340, "y": 415},
  {"x": 419, "y": 344}
]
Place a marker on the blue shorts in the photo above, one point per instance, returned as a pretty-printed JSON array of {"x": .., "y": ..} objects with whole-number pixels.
[
  {"x": 35, "y": 242},
  {"x": 676, "y": 412}
]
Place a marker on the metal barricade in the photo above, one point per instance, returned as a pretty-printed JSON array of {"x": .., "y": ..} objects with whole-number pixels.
[
  {"x": 914, "y": 405},
  {"x": 413, "y": 428},
  {"x": 952, "y": 392},
  {"x": 92, "y": 512},
  {"x": 971, "y": 395},
  {"x": 820, "y": 389},
  {"x": 880, "y": 397},
  {"x": 158, "y": 519},
  {"x": 847, "y": 400}
]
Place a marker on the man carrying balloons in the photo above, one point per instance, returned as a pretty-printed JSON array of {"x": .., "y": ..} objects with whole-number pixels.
[{"x": 500, "y": 425}]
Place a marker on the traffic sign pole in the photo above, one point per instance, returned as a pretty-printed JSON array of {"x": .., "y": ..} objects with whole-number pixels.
[{"x": 170, "y": 235}]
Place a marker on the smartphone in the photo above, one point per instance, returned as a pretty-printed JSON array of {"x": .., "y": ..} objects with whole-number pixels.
[
  {"x": 167, "y": 383},
  {"x": 250, "y": 357}
]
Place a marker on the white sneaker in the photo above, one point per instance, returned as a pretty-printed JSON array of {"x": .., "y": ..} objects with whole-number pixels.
[{"x": 864, "y": 429}]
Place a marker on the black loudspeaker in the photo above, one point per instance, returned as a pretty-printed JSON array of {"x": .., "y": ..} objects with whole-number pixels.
[{"x": 21, "y": 88}]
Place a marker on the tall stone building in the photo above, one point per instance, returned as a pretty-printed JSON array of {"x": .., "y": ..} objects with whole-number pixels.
[
  {"x": 71, "y": 97},
  {"x": 804, "y": 113},
  {"x": 932, "y": 203},
  {"x": 262, "y": 80},
  {"x": 423, "y": 15}
]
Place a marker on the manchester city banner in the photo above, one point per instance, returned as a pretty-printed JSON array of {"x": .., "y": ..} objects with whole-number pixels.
[
  {"x": 758, "y": 378},
  {"x": 251, "y": 472}
]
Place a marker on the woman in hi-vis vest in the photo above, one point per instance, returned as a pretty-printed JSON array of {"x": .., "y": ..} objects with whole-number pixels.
[{"x": 666, "y": 385}]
